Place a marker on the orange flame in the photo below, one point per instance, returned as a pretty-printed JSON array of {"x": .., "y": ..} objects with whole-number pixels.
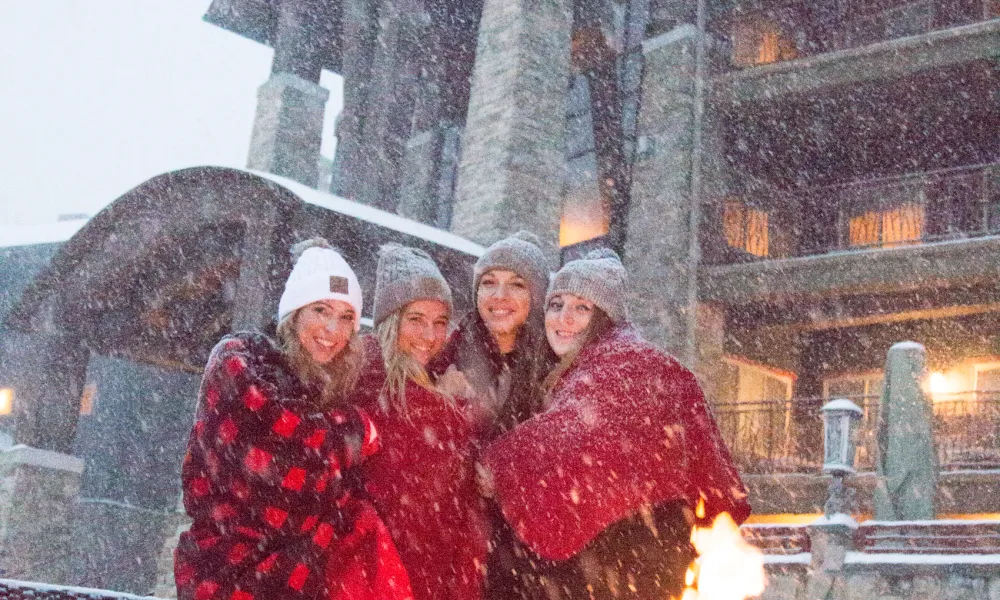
[{"x": 727, "y": 568}]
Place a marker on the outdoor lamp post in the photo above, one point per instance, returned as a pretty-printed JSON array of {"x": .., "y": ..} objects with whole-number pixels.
[{"x": 840, "y": 418}]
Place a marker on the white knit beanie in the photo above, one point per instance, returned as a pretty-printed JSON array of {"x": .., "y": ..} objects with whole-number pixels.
[
  {"x": 404, "y": 275},
  {"x": 599, "y": 277},
  {"x": 320, "y": 273}
]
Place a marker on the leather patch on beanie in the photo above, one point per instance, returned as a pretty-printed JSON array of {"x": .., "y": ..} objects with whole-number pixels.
[{"x": 338, "y": 284}]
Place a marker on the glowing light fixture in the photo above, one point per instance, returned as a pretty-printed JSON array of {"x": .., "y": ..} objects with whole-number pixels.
[
  {"x": 939, "y": 385},
  {"x": 6, "y": 401}
]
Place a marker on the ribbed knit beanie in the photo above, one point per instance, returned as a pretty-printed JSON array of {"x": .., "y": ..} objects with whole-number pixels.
[
  {"x": 404, "y": 275},
  {"x": 320, "y": 273},
  {"x": 599, "y": 277},
  {"x": 522, "y": 254}
]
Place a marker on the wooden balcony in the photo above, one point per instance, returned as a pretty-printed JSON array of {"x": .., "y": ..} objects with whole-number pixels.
[
  {"x": 918, "y": 231},
  {"x": 845, "y": 64}
]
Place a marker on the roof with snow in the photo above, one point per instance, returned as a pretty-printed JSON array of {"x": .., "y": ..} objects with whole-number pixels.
[{"x": 166, "y": 269}]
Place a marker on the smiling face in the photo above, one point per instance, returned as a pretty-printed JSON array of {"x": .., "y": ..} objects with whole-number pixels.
[
  {"x": 324, "y": 328},
  {"x": 423, "y": 329},
  {"x": 566, "y": 320},
  {"x": 503, "y": 299}
]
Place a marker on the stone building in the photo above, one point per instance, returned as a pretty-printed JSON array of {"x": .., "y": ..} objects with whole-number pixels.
[{"x": 794, "y": 187}]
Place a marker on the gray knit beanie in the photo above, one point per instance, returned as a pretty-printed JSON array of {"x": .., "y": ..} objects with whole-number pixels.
[
  {"x": 599, "y": 277},
  {"x": 404, "y": 275},
  {"x": 522, "y": 254}
]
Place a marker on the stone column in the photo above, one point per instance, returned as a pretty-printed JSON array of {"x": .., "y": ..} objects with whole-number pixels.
[
  {"x": 287, "y": 131},
  {"x": 47, "y": 404},
  {"x": 352, "y": 162},
  {"x": 288, "y": 128},
  {"x": 37, "y": 499},
  {"x": 418, "y": 190},
  {"x": 905, "y": 460},
  {"x": 262, "y": 260},
  {"x": 513, "y": 149},
  {"x": 711, "y": 348},
  {"x": 657, "y": 251}
]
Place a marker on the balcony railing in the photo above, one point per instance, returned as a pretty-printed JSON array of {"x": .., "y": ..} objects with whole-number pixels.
[
  {"x": 786, "y": 436},
  {"x": 916, "y": 208},
  {"x": 786, "y": 31}
]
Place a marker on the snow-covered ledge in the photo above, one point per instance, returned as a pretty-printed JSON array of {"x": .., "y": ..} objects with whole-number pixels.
[{"x": 37, "y": 457}]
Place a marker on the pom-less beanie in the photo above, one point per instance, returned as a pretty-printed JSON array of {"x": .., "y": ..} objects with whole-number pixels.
[
  {"x": 599, "y": 277},
  {"x": 321, "y": 273},
  {"x": 404, "y": 275},
  {"x": 522, "y": 254}
]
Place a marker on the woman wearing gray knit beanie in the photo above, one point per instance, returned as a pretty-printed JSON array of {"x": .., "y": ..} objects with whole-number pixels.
[
  {"x": 422, "y": 481},
  {"x": 602, "y": 486},
  {"x": 497, "y": 355}
]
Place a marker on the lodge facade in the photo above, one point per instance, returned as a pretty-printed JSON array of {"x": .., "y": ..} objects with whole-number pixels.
[{"x": 792, "y": 192}]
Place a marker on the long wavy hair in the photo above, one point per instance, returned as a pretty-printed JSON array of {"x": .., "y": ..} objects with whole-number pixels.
[
  {"x": 600, "y": 323},
  {"x": 336, "y": 379},
  {"x": 531, "y": 360},
  {"x": 400, "y": 367}
]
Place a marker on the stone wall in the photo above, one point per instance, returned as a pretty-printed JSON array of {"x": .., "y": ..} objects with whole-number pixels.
[{"x": 957, "y": 578}]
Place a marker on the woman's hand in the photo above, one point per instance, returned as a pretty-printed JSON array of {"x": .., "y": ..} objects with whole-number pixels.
[
  {"x": 454, "y": 383},
  {"x": 484, "y": 479}
]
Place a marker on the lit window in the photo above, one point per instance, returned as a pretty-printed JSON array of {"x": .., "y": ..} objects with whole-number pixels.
[
  {"x": 760, "y": 42},
  {"x": 895, "y": 227},
  {"x": 6, "y": 401},
  {"x": 745, "y": 228},
  {"x": 584, "y": 217},
  {"x": 87, "y": 398}
]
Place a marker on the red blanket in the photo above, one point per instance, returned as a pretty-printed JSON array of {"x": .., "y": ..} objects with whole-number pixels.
[{"x": 627, "y": 426}]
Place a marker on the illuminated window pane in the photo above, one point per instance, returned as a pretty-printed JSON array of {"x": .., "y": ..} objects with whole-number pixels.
[
  {"x": 756, "y": 232},
  {"x": 87, "y": 399},
  {"x": 863, "y": 229},
  {"x": 745, "y": 228},
  {"x": 767, "y": 51},
  {"x": 732, "y": 224},
  {"x": 6, "y": 401},
  {"x": 759, "y": 41},
  {"x": 902, "y": 225},
  {"x": 585, "y": 215}
]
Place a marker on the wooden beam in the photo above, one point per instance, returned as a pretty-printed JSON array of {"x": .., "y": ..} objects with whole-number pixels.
[{"x": 944, "y": 312}]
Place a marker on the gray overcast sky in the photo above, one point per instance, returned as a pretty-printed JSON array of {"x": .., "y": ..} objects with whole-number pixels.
[{"x": 101, "y": 95}]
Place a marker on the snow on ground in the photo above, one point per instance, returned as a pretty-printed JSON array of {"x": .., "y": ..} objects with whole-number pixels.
[{"x": 889, "y": 558}]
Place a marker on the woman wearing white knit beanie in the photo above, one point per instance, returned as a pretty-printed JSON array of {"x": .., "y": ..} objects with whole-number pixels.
[{"x": 266, "y": 476}]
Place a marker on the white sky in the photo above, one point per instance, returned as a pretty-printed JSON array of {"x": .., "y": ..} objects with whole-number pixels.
[{"x": 99, "y": 96}]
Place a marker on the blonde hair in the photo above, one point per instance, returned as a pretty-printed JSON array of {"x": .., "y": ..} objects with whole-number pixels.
[
  {"x": 599, "y": 324},
  {"x": 337, "y": 378},
  {"x": 400, "y": 367}
]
